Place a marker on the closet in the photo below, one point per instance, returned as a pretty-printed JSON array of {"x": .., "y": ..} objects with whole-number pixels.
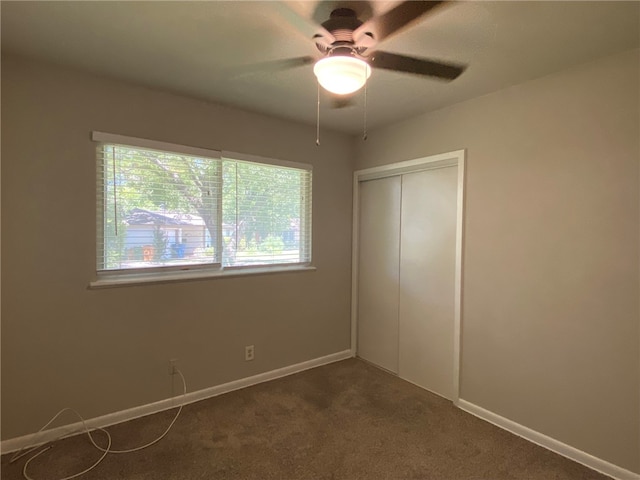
[{"x": 408, "y": 265}]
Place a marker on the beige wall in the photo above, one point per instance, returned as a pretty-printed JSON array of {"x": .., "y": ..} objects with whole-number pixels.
[
  {"x": 550, "y": 307},
  {"x": 101, "y": 351}
]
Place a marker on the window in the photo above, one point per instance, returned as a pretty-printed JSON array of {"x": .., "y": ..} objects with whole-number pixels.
[{"x": 167, "y": 208}]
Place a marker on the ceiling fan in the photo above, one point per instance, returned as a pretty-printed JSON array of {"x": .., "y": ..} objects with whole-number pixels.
[{"x": 348, "y": 48}]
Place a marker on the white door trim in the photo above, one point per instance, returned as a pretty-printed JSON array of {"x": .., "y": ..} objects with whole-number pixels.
[{"x": 456, "y": 158}]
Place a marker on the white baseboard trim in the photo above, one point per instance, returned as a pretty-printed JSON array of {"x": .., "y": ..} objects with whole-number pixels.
[
  {"x": 549, "y": 443},
  {"x": 33, "y": 439}
]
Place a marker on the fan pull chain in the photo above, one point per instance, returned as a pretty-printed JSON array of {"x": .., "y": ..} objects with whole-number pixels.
[
  {"x": 318, "y": 119},
  {"x": 364, "y": 134}
]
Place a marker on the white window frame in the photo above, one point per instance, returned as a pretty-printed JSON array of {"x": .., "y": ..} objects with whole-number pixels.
[{"x": 123, "y": 277}]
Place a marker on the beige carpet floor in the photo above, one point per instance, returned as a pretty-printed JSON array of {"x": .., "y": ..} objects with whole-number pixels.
[{"x": 347, "y": 420}]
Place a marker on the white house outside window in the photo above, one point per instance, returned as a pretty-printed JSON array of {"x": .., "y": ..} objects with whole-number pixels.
[{"x": 166, "y": 208}]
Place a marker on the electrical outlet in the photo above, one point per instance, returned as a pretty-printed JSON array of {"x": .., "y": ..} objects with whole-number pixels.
[
  {"x": 173, "y": 366},
  {"x": 248, "y": 353}
]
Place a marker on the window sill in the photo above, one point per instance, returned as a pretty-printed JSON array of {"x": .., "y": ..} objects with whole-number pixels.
[{"x": 123, "y": 280}]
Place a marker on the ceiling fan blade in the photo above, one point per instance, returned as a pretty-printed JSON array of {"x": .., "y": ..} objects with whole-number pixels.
[
  {"x": 391, "y": 22},
  {"x": 418, "y": 66},
  {"x": 273, "y": 65},
  {"x": 309, "y": 28}
]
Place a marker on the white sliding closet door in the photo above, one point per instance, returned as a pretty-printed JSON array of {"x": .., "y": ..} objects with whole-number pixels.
[
  {"x": 408, "y": 269},
  {"x": 427, "y": 279},
  {"x": 379, "y": 257}
]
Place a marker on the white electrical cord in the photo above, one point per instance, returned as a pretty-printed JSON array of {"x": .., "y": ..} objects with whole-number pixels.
[
  {"x": 19, "y": 454},
  {"x": 130, "y": 450}
]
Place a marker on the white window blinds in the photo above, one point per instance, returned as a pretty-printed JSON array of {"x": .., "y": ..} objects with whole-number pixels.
[
  {"x": 160, "y": 209},
  {"x": 163, "y": 206},
  {"x": 266, "y": 214}
]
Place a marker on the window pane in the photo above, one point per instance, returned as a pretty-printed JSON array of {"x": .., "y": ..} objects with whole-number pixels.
[
  {"x": 266, "y": 214},
  {"x": 160, "y": 209}
]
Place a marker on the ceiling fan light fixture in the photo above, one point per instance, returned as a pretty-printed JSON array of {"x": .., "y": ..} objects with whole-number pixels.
[{"x": 341, "y": 74}]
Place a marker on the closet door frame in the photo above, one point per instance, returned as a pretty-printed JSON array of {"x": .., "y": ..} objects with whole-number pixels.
[{"x": 451, "y": 159}]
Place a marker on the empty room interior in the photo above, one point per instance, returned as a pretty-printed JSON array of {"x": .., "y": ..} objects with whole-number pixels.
[{"x": 320, "y": 239}]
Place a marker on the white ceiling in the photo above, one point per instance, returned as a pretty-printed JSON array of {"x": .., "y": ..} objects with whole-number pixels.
[{"x": 198, "y": 48}]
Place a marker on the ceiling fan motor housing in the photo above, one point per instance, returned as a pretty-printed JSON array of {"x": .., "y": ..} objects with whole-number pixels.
[{"x": 341, "y": 24}]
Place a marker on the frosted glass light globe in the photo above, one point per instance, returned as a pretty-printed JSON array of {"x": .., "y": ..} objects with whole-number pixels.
[{"x": 342, "y": 74}]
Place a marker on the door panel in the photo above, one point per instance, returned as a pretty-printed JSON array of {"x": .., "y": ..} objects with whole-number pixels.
[
  {"x": 379, "y": 237},
  {"x": 427, "y": 279}
]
